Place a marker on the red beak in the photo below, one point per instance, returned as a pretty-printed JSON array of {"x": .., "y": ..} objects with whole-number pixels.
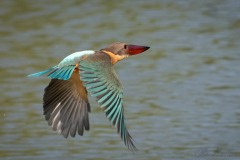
[{"x": 135, "y": 49}]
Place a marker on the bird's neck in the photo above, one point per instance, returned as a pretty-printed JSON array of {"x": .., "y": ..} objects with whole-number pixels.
[{"x": 114, "y": 58}]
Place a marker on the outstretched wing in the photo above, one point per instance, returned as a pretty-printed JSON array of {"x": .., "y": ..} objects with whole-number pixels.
[
  {"x": 100, "y": 80},
  {"x": 65, "y": 101},
  {"x": 66, "y": 106}
]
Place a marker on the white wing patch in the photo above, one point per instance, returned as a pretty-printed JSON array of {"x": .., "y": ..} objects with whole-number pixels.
[{"x": 75, "y": 57}]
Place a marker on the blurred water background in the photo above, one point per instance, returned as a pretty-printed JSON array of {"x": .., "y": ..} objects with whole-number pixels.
[{"x": 181, "y": 97}]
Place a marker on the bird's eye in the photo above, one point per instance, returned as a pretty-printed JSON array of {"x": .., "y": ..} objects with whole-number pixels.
[{"x": 125, "y": 46}]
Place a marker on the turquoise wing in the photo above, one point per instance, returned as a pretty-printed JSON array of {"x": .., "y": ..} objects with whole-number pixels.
[{"x": 100, "y": 80}]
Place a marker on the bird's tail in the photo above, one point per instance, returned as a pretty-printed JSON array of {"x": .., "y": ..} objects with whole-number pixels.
[
  {"x": 55, "y": 72},
  {"x": 50, "y": 70}
]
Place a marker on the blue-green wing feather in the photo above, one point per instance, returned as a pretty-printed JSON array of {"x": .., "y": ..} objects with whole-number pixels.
[
  {"x": 100, "y": 79},
  {"x": 63, "y": 73}
]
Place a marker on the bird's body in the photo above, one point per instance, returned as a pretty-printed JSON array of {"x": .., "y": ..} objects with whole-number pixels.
[{"x": 65, "y": 100}]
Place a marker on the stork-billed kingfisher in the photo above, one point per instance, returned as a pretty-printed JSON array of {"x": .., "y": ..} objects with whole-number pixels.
[{"x": 65, "y": 101}]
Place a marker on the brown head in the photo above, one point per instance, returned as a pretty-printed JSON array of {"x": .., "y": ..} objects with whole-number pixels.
[{"x": 118, "y": 50}]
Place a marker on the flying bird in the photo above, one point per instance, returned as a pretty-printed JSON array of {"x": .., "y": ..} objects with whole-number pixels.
[{"x": 65, "y": 100}]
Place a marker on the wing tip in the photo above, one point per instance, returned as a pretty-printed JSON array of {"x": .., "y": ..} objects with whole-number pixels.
[{"x": 129, "y": 142}]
